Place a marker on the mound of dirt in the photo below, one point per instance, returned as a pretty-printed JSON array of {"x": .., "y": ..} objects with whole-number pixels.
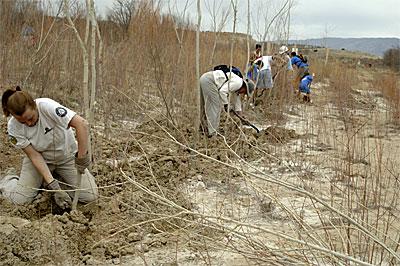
[
  {"x": 53, "y": 239},
  {"x": 275, "y": 134},
  {"x": 116, "y": 225}
]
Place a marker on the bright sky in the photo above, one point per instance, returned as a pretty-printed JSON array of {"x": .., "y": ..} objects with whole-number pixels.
[
  {"x": 320, "y": 18},
  {"x": 346, "y": 18}
]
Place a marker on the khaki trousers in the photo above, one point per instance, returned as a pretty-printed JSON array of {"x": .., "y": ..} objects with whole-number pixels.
[
  {"x": 210, "y": 103},
  {"x": 24, "y": 188}
]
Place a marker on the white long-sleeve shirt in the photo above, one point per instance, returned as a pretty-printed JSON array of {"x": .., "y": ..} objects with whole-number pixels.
[{"x": 232, "y": 86}]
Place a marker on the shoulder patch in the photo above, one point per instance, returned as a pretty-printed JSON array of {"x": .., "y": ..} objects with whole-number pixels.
[
  {"x": 61, "y": 111},
  {"x": 12, "y": 139}
]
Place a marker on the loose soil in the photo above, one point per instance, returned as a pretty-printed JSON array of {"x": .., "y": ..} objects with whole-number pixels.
[{"x": 157, "y": 191}]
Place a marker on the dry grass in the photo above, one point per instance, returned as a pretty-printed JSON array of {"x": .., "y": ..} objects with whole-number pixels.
[
  {"x": 389, "y": 85},
  {"x": 354, "y": 202}
]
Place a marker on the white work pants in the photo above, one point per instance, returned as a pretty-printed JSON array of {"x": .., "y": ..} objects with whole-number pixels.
[{"x": 210, "y": 103}]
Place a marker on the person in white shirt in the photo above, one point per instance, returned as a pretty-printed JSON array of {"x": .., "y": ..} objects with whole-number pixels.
[
  {"x": 215, "y": 87},
  {"x": 42, "y": 129},
  {"x": 284, "y": 56},
  {"x": 265, "y": 80}
]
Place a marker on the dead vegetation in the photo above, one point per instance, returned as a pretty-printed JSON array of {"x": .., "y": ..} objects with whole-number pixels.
[{"x": 318, "y": 185}]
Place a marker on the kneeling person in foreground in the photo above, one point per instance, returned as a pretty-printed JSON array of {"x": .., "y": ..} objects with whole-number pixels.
[{"x": 42, "y": 129}]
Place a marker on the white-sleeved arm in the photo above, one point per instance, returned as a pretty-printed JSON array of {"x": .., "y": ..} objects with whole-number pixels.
[
  {"x": 289, "y": 63},
  {"x": 16, "y": 136},
  {"x": 224, "y": 93},
  {"x": 237, "y": 103}
]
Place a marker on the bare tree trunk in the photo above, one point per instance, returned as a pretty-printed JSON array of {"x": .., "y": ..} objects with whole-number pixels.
[
  {"x": 248, "y": 46},
  {"x": 87, "y": 26},
  {"x": 325, "y": 44},
  {"x": 85, "y": 84},
  {"x": 326, "y": 55},
  {"x": 197, "y": 121},
  {"x": 100, "y": 76},
  {"x": 248, "y": 37},
  {"x": 174, "y": 74},
  {"x": 91, "y": 31},
  {"x": 288, "y": 22},
  {"x": 92, "y": 61},
  {"x": 85, "y": 81},
  {"x": 233, "y": 43}
]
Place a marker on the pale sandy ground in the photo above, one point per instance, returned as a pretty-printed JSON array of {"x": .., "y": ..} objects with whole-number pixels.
[
  {"x": 315, "y": 160},
  {"x": 310, "y": 162}
]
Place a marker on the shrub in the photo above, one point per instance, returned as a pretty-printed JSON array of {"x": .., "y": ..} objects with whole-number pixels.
[{"x": 391, "y": 58}]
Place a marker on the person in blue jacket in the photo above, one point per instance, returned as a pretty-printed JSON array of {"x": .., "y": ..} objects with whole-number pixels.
[
  {"x": 302, "y": 68},
  {"x": 305, "y": 86}
]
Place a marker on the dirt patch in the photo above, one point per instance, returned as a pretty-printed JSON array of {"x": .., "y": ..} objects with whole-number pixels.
[
  {"x": 146, "y": 179},
  {"x": 274, "y": 134},
  {"x": 54, "y": 239}
]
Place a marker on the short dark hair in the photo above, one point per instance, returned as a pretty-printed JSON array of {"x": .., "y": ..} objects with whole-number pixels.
[
  {"x": 258, "y": 45},
  {"x": 293, "y": 53}
]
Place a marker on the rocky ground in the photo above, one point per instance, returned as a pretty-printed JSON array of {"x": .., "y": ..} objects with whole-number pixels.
[{"x": 232, "y": 201}]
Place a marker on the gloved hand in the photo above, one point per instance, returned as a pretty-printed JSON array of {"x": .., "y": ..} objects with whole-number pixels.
[
  {"x": 61, "y": 198},
  {"x": 226, "y": 107},
  {"x": 82, "y": 163}
]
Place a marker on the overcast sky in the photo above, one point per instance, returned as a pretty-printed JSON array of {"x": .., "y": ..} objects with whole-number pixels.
[
  {"x": 346, "y": 18},
  {"x": 319, "y": 18}
]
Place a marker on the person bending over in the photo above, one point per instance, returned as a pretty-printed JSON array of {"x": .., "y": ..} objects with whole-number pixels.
[{"x": 215, "y": 87}]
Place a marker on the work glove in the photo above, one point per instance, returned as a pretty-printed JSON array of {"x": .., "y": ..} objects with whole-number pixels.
[
  {"x": 226, "y": 107},
  {"x": 61, "y": 198},
  {"x": 82, "y": 163}
]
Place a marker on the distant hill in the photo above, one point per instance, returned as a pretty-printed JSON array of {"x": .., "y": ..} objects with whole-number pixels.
[{"x": 375, "y": 46}]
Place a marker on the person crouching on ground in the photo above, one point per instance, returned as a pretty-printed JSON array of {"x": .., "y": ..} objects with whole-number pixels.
[
  {"x": 42, "y": 129},
  {"x": 305, "y": 87},
  {"x": 215, "y": 87}
]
